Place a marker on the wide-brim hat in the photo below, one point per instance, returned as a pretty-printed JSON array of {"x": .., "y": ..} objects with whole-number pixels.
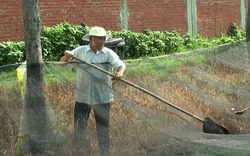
[{"x": 96, "y": 31}]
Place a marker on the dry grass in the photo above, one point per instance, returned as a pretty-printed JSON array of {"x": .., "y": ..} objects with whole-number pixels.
[{"x": 131, "y": 134}]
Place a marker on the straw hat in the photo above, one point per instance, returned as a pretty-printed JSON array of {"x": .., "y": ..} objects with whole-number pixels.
[{"x": 96, "y": 31}]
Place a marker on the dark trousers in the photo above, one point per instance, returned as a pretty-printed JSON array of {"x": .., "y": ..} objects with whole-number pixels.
[{"x": 81, "y": 116}]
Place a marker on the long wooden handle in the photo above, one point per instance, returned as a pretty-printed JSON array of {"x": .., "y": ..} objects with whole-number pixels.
[{"x": 142, "y": 89}]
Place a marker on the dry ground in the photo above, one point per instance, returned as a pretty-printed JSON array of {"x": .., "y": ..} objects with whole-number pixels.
[{"x": 131, "y": 134}]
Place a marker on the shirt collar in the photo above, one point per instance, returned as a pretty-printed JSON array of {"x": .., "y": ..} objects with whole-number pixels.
[{"x": 89, "y": 50}]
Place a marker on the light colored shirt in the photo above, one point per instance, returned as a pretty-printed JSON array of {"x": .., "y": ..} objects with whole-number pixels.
[{"x": 92, "y": 85}]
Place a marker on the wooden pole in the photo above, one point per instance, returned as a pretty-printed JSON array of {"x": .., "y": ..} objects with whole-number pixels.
[{"x": 35, "y": 96}]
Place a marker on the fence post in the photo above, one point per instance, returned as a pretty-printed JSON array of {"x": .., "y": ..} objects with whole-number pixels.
[
  {"x": 192, "y": 17},
  {"x": 124, "y": 14},
  {"x": 243, "y": 15}
]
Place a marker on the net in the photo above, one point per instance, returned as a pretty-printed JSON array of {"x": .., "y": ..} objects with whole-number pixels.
[{"x": 210, "y": 83}]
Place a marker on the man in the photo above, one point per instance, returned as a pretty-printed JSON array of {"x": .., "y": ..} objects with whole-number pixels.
[{"x": 93, "y": 87}]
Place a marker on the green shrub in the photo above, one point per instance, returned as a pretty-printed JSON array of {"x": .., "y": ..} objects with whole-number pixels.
[
  {"x": 55, "y": 40},
  {"x": 11, "y": 52},
  {"x": 234, "y": 32},
  {"x": 150, "y": 43}
]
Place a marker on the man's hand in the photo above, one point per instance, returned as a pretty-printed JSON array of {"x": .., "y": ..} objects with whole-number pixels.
[
  {"x": 67, "y": 56},
  {"x": 117, "y": 75}
]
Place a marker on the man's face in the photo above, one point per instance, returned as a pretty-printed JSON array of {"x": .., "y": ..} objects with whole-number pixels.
[{"x": 98, "y": 42}]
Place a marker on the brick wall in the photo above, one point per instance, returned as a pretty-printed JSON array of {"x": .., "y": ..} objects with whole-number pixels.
[
  {"x": 214, "y": 16},
  {"x": 157, "y": 15},
  {"x": 11, "y": 18},
  {"x": 98, "y": 12},
  {"x": 104, "y": 13}
]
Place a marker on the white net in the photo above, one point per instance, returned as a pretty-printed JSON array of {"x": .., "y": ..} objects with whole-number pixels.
[{"x": 210, "y": 83}]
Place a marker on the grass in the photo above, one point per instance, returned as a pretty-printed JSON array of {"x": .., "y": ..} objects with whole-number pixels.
[{"x": 140, "y": 124}]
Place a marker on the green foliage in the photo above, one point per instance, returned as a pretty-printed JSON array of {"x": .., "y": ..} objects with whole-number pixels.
[
  {"x": 173, "y": 41},
  {"x": 224, "y": 39},
  {"x": 55, "y": 40},
  {"x": 234, "y": 32},
  {"x": 150, "y": 43},
  {"x": 11, "y": 52},
  {"x": 197, "y": 42}
]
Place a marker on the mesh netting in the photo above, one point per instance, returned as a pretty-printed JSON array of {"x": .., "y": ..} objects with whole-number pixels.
[{"x": 210, "y": 83}]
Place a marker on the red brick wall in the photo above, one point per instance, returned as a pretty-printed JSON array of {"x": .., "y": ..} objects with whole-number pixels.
[
  {"x": 98, "y": 12},
  {"x": 11, "y": 20},
  {"x": 157, "y": 15},
  {"x": 214, "y": 16}
]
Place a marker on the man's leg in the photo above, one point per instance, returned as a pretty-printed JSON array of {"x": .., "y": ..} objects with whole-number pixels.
[
  {"x": 81, "y": 116},
  {"x": 102, "y": 112}
]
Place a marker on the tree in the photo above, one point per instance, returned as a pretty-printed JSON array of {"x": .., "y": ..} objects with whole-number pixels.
[
  {"x": 248, "y": 24},
  {"x": 248, "y": 32},
  {"x": 35, "y": 97}
]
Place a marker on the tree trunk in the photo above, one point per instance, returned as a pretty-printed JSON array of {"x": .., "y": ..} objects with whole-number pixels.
[
  {"x": 35, "y": 97},
  {"x": 248, "y": 32}
]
